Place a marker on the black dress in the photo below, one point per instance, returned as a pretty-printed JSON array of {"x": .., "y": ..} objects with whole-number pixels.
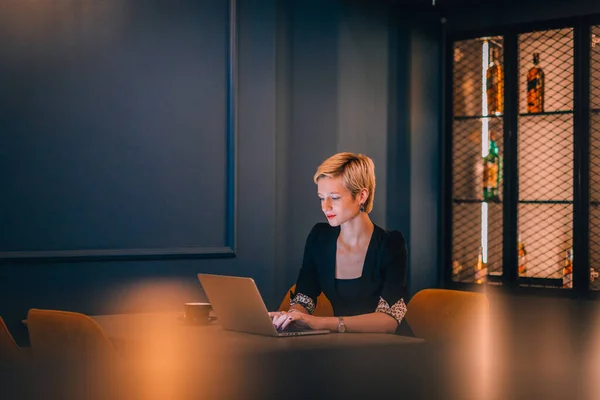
[{"x": 381, "y": 287}]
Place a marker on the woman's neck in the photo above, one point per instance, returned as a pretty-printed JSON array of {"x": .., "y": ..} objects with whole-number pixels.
[{"x": 356, "y": 230}]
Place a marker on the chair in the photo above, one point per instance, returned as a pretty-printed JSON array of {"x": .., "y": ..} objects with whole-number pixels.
[
  {"x": 13, "y": 366},
  {"x": 9, "y": 351},
  {"x": 53, "y": 332},
  {"x": 442, "y": 315},
  {"x": 71, "y": 354},
  {"x": 323, "y": 308}
]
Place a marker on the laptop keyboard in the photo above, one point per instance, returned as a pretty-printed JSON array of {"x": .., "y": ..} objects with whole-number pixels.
[{"x": 292, "y": 328}]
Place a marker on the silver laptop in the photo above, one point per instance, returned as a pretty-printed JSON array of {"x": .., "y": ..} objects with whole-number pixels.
[{"x": 239, "y": 306}]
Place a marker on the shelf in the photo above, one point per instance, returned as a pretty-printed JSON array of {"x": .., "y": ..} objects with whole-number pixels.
[
  {"x": 566, "y": 112},
  {"x": 474, "y": 117},
  {"x": 468, "y": 117},
  {"x": 540, "y": 282},
  {"x": 474, "y": 201},
  {"x": 545, "y": 201},
  {"x": 495, "y": 278},
  {"x": 548, "y": 159}
]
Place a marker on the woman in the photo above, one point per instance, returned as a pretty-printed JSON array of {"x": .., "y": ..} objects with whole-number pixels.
[{"x": 360, "y": 267}]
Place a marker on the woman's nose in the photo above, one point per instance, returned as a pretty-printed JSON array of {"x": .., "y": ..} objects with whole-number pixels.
[{"x": 326, "y": 204}]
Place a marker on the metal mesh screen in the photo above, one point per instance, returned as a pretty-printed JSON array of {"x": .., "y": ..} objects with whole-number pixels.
[
  {"x": 477, "y": 109},
  {"x": 545, "y": 158},
  {"x": 595, "y": 159}
]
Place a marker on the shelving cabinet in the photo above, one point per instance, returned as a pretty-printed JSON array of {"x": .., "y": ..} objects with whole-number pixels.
[{"x": 542, "y": 231}]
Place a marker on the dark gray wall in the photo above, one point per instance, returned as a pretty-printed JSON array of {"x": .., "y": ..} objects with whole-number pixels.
[
  {"x": 425, "y": 150},
  {"x": 114, "y": 139},
  {"x": 365, "y": 78},
  {"x": 109, "y": 134},
  {"x": 313, "y": 28}
]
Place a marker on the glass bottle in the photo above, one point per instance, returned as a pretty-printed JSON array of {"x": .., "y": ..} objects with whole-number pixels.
[
  {"x": 456, "y": 270},
  {"x": 463, "y": 88},
  {"x": 535, "y": 87},
  {"x": 593, "y": 274},
  {"x": 480, "y": 268},
  {"x": 491, "y": 171},
  {"x": 522, "y": 256},
  {"x": 568, "y": 270},
  {"x": 495, "y": 84}
]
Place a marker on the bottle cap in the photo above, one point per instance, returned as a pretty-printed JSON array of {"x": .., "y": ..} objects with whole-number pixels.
[{"x": 495, "y": 54}]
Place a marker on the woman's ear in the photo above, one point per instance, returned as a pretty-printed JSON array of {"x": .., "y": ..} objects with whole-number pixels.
[{"x": 364, "y": 195}]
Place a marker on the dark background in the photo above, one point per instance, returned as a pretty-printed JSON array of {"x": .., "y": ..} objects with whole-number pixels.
[{"x": 115, "y": 139}]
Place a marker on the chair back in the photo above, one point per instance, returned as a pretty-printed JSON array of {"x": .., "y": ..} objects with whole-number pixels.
[
  {"x": 442, "y": 315},
  {"x": 322, "y": 309},
  {"x": 67, "y": 334},
  {"x": 72, "y": 357},
  {"x": 9, "y": 351},
  {"x": 14, "y": 367}
]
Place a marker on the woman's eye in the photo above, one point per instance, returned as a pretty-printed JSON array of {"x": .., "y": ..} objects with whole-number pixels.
[{"x": 335, "y": 198}]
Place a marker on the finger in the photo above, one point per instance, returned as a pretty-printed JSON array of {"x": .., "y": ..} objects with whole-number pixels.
[
  {"x": 274, "y": 314},
  {"x": 288, "y": 320},
  {"x": 276, "y": 319},
  {"x": 279, "y": 320}
]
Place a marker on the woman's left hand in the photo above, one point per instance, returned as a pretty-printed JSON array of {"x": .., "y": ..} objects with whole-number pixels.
[{"x": 282, "y": 319}]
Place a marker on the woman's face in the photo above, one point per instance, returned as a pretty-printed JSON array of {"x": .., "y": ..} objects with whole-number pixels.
[{"x": 336, "y": 201}]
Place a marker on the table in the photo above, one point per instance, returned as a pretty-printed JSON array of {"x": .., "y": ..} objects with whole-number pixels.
[
  {"x": 178, "y": 360},
  {"x": 153, "y": 326}
]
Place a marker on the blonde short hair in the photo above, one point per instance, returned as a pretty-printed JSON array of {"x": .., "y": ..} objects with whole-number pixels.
[{"x": 356, "y": 170}]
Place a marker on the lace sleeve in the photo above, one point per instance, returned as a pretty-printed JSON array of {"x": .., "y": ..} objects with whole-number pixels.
[
  {"x": 397, "y": 310},
  {"x": 304, "y": 301}
]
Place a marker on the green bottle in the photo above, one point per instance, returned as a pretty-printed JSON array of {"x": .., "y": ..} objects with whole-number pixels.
[{"x": 491, "y": 171}]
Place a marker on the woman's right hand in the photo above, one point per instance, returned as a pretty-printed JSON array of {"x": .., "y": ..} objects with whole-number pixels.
[{"x": 282, "y": 319}]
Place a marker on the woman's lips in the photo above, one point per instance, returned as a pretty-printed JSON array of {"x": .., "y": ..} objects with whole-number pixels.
[{"x": 330, "y": 216}]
